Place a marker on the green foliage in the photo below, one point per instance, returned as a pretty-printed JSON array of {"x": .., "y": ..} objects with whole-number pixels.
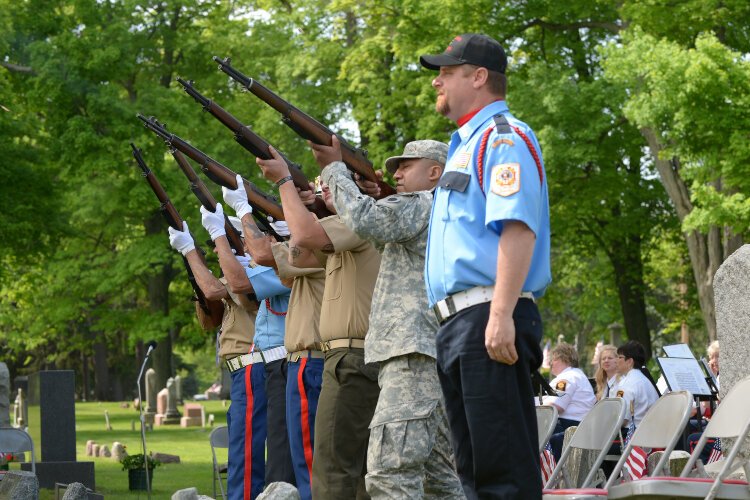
[
  {"x": 137, "y": 461},
  {"x": 85, "y": 262}
]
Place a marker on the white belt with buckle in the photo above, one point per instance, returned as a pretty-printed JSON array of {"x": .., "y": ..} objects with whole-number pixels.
[
  {"x": 240, "y": 362},
  {"x": 452, "y": 304},
  {"x": 274, "y": 354}
]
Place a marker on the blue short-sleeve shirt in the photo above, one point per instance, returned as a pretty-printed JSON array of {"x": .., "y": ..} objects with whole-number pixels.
[
  {"x": 467, "y": 221},
  {"x": 274, "y": 300}
]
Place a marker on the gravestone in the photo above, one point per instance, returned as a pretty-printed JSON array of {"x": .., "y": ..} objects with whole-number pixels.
[
  {"x": 195, "y": 416},
  {"x": 178, "y": 389},
  {"x": 279, "y": 491},
  {"x": 166, "y": 458},
  {"x": 4, "y": 395},
  {"x": 51, "y": 401},
  {"x": 90, "y": 447},
  {"x": 172, "y": 412},
  {"x": 161, "y": 407},
  {"x": 95, "y": 450},
  {"x": 104, "y": 451},
  {"x": 118, "y": 451},
  {"x": 579, "y": 461},
  {"x": 19, "y": 485},
  {"x": 20, "y": 410},
  {"x": 75, "y": 491},
  {"x": 732, "y": 299},
  {"x": 150, "y": 409},
  {"x": 107, "y": 425}
]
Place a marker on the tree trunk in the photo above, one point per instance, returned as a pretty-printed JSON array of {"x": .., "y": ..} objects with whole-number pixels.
[
  {"x": 101, "y": 372},
  {"x": 631, "y": 288},
  {"x": 158, "y": 300},
  {"x": 706, "y": 253}
]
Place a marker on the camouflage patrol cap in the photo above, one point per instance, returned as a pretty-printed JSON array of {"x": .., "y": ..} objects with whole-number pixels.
[{"x": 431, "y": 150}]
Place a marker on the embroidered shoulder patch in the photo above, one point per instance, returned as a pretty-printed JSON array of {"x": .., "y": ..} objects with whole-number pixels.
[
  {"x": 561, "y": 385},
  {"x": 461, "y": 160},
  {"x": 506, "y": 179},
  {"x": 503, "y": 140},
  {"x": 620, "y": 394}
]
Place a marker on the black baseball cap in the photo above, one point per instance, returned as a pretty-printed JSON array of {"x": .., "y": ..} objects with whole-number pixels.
[{"x": 469, "y": 48}]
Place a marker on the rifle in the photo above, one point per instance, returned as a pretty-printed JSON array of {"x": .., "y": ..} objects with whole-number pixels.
[
  {"x": 213, "y": 309},
  {"x": 254, "y": 143},
  {"x": 307, "y": 127},
  {"x": 262, "y": 203}
]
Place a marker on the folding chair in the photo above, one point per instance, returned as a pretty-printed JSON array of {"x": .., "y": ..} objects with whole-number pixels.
[
  {"x": 219, "y": 438},
  {"x": 14, "y": 440},
  {"x": 546, "y": 420},
  {"x": 661, "y": 427},
  {"x": 731, "y": 420},
  {"x": 595, "y": 432}
]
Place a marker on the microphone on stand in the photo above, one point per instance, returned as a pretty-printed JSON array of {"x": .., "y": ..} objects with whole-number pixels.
[{"x": 151, "y": 346}]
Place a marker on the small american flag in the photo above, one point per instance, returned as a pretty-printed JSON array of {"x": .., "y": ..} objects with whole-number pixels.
[
  {"x": 547, "y": 462},
  {"x": 636, "y": 464},
  {"x": 715, "y": 452}
]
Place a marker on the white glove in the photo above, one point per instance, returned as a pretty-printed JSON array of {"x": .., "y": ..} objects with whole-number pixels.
[
  {"x": 213, "y": 222},
  {"x": 237, "y": 198},
  {"x": 281, "y": 227},
  {"x": 182, "y": 241},
  {"x": 244, "y": 260}
]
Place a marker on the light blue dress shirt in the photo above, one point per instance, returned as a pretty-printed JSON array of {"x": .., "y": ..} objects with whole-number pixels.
[
  {"x": 466, "y": 223},
  {"x": 269, "y": 327}
]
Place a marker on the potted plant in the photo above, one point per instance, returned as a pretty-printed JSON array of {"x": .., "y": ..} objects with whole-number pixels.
[
  {"x": 136, "y": 468},
  {"x": 5, "y": 459}
]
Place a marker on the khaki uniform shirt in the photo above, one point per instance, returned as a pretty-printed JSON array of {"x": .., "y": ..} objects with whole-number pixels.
[
  {"x": 350, "y": 279},
  {"x": 400, "y": 320},
  {"x": 303, "y": 314},
  {"x": 237, "y": 325}
]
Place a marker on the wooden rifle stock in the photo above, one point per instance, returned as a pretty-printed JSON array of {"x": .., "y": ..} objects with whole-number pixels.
[
  {"x": 214, "y": 309},
  {"x": 306, "y": 126},
  {"x": 254, "y": 143},
  {"x": 217, "y": 172}
]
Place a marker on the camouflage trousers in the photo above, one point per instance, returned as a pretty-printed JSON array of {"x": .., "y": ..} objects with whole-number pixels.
[{"x": 410, "y": 455}]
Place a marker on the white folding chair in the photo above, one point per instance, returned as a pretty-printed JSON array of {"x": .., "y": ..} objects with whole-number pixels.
[
  {"x": 595, "y": 432},
  {"x": 546, "y": 420},
  {"x": 731, "y": 420},
  {"x": 14, "y": 440},
  {"x": 219, "y": 438},
  {"x": 661, "y": 427}
]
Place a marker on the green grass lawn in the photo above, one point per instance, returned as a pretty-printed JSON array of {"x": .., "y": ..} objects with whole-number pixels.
[{"x": 191, "y": 444}]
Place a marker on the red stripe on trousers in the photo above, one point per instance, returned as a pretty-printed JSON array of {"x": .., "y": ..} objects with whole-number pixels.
[
  {"x": 306, "y": 444},
  {"x": 247, "y": 483}
]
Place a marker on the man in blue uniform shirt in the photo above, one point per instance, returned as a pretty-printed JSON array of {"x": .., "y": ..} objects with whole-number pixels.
[{"x": 487, "y": 262}]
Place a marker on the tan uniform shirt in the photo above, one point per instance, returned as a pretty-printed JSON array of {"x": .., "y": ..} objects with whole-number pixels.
[
  {"x": 303, "y": 315},
  {"x": 350, "y": 279},
  {"x": 237, "y": 325}
]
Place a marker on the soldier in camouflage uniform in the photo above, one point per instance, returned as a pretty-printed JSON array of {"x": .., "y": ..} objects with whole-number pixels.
[{"x": 409, "y": 454}]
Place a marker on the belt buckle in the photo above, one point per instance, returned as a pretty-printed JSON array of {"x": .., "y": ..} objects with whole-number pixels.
[{"x": 326, "y": 345}]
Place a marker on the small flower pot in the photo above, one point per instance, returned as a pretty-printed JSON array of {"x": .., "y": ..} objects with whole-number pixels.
[{"x": 137, "y": 479}]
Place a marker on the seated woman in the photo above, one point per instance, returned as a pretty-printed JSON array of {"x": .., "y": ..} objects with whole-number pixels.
[
  {"x": 575, "y": 397},
  {"x": 636, "y": 386},
  {"x": 606, "y": 374},
  {"x": 696, "y": 425}
]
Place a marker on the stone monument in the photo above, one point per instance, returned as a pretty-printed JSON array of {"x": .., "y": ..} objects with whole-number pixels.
[
  {"x": 150, "y": 409},
  {"x": 4, "y": 395},
  {"x": 732, "y": 299},
  {"x": 195, "y": 416},
  {"x": 51, "y": 401},
  {"x": 178, "y": 388},
  {"x": 172, "y": 411},
  {"x": 20, "y": 410}
]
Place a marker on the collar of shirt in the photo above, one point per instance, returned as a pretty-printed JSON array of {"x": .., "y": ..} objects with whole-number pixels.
[{"x": 484, "y": 114}]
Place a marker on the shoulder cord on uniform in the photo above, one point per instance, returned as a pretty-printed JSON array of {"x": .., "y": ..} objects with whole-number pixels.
[
  {"x": 270, "y": 309},
  {"x": 483, "y": 148}
]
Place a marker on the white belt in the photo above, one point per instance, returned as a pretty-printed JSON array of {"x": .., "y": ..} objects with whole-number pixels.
[
  {"x": 240, "y": 362},
  {"x": 452, "y": 304},
  {"x": 274, "y": 354}
]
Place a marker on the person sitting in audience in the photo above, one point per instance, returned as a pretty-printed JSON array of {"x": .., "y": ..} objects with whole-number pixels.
[
  {"x": 636, "y": 385},
  {"x": 606, "y": 374},
  {"x": 575, "y": 396}
]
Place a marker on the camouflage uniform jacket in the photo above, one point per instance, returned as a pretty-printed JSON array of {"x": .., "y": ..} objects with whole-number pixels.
[{"x": 400, "y": 320}]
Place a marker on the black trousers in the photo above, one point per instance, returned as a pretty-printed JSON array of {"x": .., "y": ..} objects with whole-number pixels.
[
  {"x": 279, "y": 455},
  {"x": 490, "y": 405}
]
